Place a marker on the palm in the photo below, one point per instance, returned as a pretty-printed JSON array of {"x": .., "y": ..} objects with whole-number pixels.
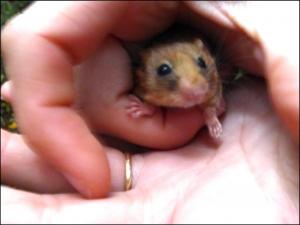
[
  {"x": 251, "y": 175},
  {"x": 239, "y": 180},
  {"x": 255, "y": 151},
  {"x": 174, "y": 182}
]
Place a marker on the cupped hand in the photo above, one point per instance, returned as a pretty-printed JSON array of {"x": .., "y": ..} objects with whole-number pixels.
[
  {"x": 41, "y": 67},
  {"x": 252, "y": 177},
  {"x": 166, "y": 178}
]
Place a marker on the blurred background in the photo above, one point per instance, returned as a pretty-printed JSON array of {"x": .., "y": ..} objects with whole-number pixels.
[{"x": 8, "y": 10}]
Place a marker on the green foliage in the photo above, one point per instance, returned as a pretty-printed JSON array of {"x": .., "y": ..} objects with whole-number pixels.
[
  {"x": 11, "y": 8},
  {"x": 8, "y": 10}
]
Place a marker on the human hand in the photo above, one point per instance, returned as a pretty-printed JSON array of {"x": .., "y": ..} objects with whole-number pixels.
[
  {"x": 251, "y": 178},
  {"x": 290, "y": 116},
  {"x": 43, "y": 93}
]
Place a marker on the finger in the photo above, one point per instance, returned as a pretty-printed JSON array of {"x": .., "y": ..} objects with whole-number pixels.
[
  {"x": 145, "y": 19},
  {"x": 282, "y": 64},
  {"x": 76, "y": 27},
  {"x": 108, "y": 97},
  {"x": 6, "y": 94},
  {"x": 283, "y": 80},
  {"x": 43, "y": 90},
  {"x": 23, "y": 169},
  {"x": 277, "y": 60}
]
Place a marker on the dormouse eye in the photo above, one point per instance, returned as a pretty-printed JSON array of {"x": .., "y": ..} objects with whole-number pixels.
[
  {"x": 163, "y": 70},
  {"x": 201, "y": 63}
]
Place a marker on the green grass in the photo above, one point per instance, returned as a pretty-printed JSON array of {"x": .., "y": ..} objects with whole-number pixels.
[
  {"x": 11, "y": 8},
  {"x": 8, "y": 10}
]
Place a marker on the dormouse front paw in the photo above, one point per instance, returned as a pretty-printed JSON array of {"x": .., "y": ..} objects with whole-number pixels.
[
  {"x": 136, "y": 108},
  {"x": 213, "y": 124},
  {"x": 215, "y": 128}
]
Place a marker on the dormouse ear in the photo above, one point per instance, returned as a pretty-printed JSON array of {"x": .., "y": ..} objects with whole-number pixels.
[{"x": 199, "y": 43}]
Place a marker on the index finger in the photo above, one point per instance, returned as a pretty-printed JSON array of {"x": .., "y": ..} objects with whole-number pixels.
[
  {"x": 40, "y": 66},
  {"x": 55, "y": 37}
]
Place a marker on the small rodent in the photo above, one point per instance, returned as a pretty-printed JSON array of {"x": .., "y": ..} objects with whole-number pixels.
[{"x": 178, "y": 73}]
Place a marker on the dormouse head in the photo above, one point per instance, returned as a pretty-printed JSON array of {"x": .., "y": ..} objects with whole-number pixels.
[{"x": 178, "y": 74}]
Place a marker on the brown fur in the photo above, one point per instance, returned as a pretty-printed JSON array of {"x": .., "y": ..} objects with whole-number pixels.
[{"x": 182, "y": 57}]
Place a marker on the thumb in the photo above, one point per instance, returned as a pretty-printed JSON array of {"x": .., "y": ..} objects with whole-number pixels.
[
  {"x": 43, "y": 88},
  {"x": 283, "y": 81}
]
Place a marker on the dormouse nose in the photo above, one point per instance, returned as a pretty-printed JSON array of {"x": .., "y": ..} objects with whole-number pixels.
[
  {"x": 196, "y": 87},
  {"x": 195, "y": 93}
]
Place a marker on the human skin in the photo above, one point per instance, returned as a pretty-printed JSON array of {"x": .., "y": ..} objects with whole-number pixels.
[
  {"x": 168, "y": 163},
  {"x": 66, "y": 45},
  {"x": 252, "y": 177}
]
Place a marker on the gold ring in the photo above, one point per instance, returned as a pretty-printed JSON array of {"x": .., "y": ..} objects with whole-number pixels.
[{"x": 128, "y": 172}]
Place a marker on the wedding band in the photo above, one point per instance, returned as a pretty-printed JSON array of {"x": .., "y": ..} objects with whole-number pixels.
[{"x": 128, "y": 172}]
